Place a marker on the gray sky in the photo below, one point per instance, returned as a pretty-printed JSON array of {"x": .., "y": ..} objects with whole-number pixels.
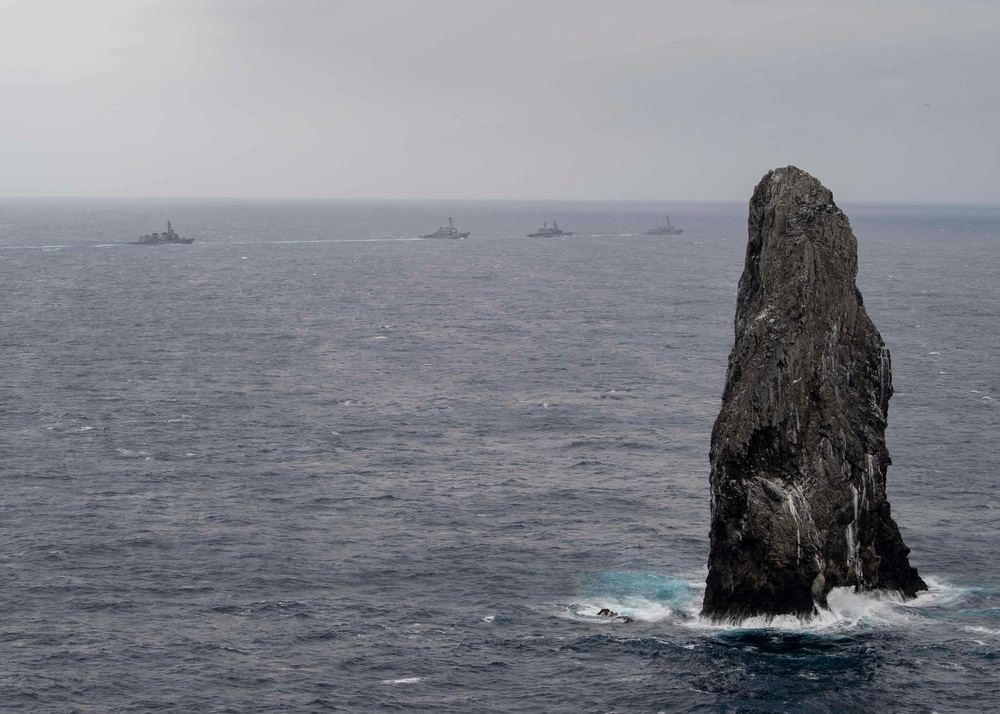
[{"x": 882, "y": 100}]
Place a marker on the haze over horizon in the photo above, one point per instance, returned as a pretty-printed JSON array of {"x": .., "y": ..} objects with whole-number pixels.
[{"x": 888, "y": 100}]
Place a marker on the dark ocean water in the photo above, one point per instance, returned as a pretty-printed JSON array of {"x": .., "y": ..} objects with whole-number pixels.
[{"x": 309, "y": 463}]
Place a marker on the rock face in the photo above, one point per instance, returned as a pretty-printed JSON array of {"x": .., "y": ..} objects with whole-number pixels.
[{"x": 798, "y": 450}]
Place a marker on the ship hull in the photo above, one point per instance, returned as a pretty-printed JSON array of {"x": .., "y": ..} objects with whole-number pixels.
[{"x": 182, "y": 241}]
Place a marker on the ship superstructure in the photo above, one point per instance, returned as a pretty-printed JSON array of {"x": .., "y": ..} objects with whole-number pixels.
[{"x": 167, "y": 238}]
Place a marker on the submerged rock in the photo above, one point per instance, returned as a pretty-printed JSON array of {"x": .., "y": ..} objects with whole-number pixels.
[
  {"x": 605, "y": 612},
  {"x": 798, "y": 450}
]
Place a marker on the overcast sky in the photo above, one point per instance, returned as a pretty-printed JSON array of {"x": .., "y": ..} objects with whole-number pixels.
[{"x": 882, "y": 100}]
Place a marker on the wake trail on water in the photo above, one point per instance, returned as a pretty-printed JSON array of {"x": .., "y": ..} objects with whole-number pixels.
[{"x": 202, "y": 243}]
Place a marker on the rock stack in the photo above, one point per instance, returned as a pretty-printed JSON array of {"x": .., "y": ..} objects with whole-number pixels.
[{"x": 798, "y": 450}]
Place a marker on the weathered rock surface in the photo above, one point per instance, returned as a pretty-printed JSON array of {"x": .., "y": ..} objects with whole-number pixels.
[{"x": 798, "y": 450}]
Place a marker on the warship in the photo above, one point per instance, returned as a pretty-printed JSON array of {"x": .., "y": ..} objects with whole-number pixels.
[
  {"x": 167, "y": 238},
  {"x": 668, "y": 229},
  {"x": 448, "y": 231},
  {"x": 546, "y": 231}
]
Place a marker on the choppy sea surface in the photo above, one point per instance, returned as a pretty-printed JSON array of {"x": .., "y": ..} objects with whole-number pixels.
[{"x": 311, "y": 463}]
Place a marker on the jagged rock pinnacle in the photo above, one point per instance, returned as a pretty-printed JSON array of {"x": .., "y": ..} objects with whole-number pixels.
[{"x": 798, "y": 450}]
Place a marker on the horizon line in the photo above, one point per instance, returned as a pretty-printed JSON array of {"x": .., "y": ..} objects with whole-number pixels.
[{"x": 303, "y": 199}]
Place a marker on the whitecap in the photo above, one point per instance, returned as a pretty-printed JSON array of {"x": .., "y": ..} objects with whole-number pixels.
[
  {"x": 980, "y": 630},
  {"x": 133, "y": 454},
  {"x": 404, "y": 680}
]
